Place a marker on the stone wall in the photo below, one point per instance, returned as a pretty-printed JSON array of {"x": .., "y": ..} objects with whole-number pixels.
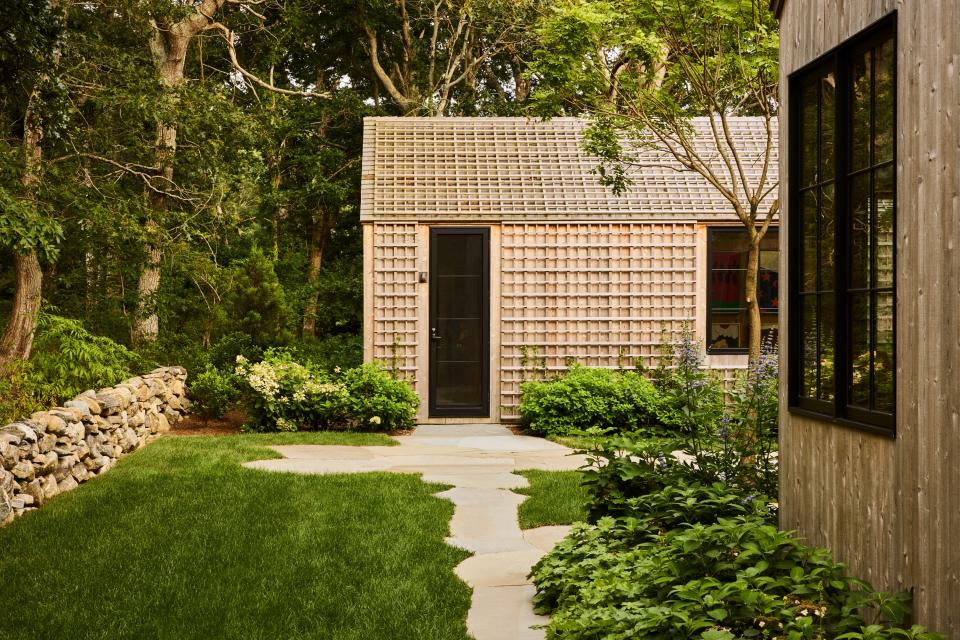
[{"x": 55, "y": 450}]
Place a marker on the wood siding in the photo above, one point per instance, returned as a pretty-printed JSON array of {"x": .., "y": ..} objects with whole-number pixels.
[
  {"x": 602, "y": 294},
  {"x": 889, "y": 507}
]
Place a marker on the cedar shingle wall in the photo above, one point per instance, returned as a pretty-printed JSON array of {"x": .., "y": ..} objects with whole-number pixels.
[
  {"x": 395, "y": 296},
  {"x": 602, "y": 294},
  {"x": 890, "y": 508}
]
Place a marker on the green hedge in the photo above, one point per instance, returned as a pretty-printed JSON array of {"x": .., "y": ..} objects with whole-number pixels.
[{"x": 585, "y": 398}]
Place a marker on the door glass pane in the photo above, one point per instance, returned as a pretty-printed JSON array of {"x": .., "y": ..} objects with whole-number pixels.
[
  {"x": 883, "y": 356},
  {"x": 885, "y": 240},
  {"x": 860, "y": 214},
  {"x": 458, "y": 336},
  {"x": 459, "y": 339},
  {"x": 860, "y": 111},
  {"x": 459, "y": 384},
  {"x": 885, "y": 102},
  {"x": 859, "y": 382},
  {"x": 459, "y": 296},
  {"x": 459, "y": 254},
  {"x": 808, "y": 143},
  {"x": 808, "y": 322}
]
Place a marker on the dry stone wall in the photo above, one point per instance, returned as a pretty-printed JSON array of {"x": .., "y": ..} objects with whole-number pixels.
[{"x": 55, "y": 450}]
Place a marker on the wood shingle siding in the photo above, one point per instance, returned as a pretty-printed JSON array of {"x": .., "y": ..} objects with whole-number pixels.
[
  {"x": 890, "y": 507},
  {"x": 576, "y": 272}
]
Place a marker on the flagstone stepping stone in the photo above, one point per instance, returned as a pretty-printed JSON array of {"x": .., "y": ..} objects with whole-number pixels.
[{"x": 478, "y": 462}]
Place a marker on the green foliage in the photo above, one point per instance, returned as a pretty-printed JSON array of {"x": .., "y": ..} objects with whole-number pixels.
[
  {"x": 26, "y": 226},
  {"x": 212, "y": 393},
  {"x": 376, "y": 401},
  {"x": 67, "y": 359},
  {"x": 342, "y": 351},
  {"x": 19, "y": 397},
  {"x": 258, "y": 306},
  {"x": 585, "y": 398},
  {"x": 693, "y": 400},
  {"x": 698, "y": 561},
  {"x": 281, "y": 394}
]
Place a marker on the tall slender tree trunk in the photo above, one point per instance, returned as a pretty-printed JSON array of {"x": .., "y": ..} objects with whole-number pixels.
[
  {"x": 168, "y": 48},
  {"x": 318, "y": 241},
  {"x": 17, "y": 340},
  {"x": 750, "y": 286}
]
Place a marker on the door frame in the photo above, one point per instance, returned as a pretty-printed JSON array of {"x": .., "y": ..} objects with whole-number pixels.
[{"x": 482, "y": 411}]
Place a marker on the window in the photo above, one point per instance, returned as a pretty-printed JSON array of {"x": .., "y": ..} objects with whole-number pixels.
[
  {"x": 728, "y": 318},
  {"x": 843, "y": 205}
]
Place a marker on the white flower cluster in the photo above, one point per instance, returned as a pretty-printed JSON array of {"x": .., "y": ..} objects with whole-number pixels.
[{"x": 261, "y": 377}]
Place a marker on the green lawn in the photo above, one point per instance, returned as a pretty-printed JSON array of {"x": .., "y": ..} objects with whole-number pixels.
[
  {"x": 556, "y": 497},
  {"x": 180, "y": 541}
]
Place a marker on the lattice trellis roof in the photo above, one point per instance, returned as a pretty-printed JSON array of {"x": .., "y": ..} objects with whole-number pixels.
[{"x": 464, "y": 169}]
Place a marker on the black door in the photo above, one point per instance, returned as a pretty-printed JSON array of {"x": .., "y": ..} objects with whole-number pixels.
[{"x": 459, "y": 322}]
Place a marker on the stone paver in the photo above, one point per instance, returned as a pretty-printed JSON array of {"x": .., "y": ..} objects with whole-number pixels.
[{"x": 478, "y": 462}]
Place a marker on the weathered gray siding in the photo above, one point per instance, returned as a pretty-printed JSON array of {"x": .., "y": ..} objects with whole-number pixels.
[{"x": 890, "y": 508}]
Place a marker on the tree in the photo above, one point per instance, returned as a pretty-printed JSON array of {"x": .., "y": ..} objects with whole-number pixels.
[
  {"x": 29, "y": 54},
  {"x": 427, "y": 53},
  {"x": 642, "y": 69}
]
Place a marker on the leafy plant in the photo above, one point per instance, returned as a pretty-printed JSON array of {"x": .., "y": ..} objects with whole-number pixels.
[
  {"x": 376, "y": 401},
  {"x": 281, "y": 394},
  {"x": 699, "y": 561},
  {"x": 586, "y": 398},
  {"x": 212, "y": 392},
  {"x": 67, "y": 359}
]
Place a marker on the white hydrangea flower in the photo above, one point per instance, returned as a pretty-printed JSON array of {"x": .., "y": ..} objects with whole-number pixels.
[{"x": 375, "y": 420}]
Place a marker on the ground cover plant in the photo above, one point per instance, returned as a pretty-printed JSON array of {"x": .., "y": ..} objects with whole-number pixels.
[
  {"x": 555, "y": 497},
  {"x": 685, "y": 545},
  {"x": 180, "y": 541}
]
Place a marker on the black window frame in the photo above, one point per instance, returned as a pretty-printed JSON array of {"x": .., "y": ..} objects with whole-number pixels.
[
  {"x": 711, "y": 234},
  {"x": 839, "y": 61}
]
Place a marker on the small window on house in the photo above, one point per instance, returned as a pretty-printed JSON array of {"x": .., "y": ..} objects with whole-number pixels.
[
  {"x": 728, "y": 316},
  {"x": 843, "y": 204}
]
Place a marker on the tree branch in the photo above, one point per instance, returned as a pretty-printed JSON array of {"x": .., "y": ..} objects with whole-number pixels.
[{"x": 228, "y": 36}]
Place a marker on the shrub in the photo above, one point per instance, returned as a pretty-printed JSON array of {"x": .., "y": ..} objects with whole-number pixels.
[
  {"x": 697, "y": 561},
  {"x": 330, "y": 352},
  {"x": 213, "y": 393},
  {"x": 585, "y": 398},
  {"x": 378, "y": 402},
  {"x": 282, "y": 395},
  {"x": 257, "y": 303},
  {"x": 224, "y": 352},
  {"x": 67, "y": 359},
  {"x": 692, "y": 399}
]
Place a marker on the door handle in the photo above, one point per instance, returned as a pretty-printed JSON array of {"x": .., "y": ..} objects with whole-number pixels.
[{"x": 433, "y": 334}]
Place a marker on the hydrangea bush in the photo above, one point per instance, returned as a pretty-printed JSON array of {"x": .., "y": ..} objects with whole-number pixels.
[{"x": 281, "y": 394}]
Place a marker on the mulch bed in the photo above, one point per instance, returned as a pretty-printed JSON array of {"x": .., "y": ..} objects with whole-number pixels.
[{"x": 227, "y": 425}]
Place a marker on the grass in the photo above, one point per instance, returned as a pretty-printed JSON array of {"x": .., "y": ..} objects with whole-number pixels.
[
  {"x": 556, "y": 497},
  {"x": 180, "y": 541},
  {"x": 587, "y": 442}
]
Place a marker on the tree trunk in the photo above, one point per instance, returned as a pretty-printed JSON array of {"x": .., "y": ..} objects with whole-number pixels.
[
  {"x": 318, "y": 238},
  {"x": 168, "y": 48},
  {"x": 17, "y": 339},
  {"x": 146, "y": 324},
  {"x": 750, "y": 286}
]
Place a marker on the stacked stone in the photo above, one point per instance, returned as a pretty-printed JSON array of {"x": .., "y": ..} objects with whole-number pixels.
[{"x": 55, "y": 450}]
